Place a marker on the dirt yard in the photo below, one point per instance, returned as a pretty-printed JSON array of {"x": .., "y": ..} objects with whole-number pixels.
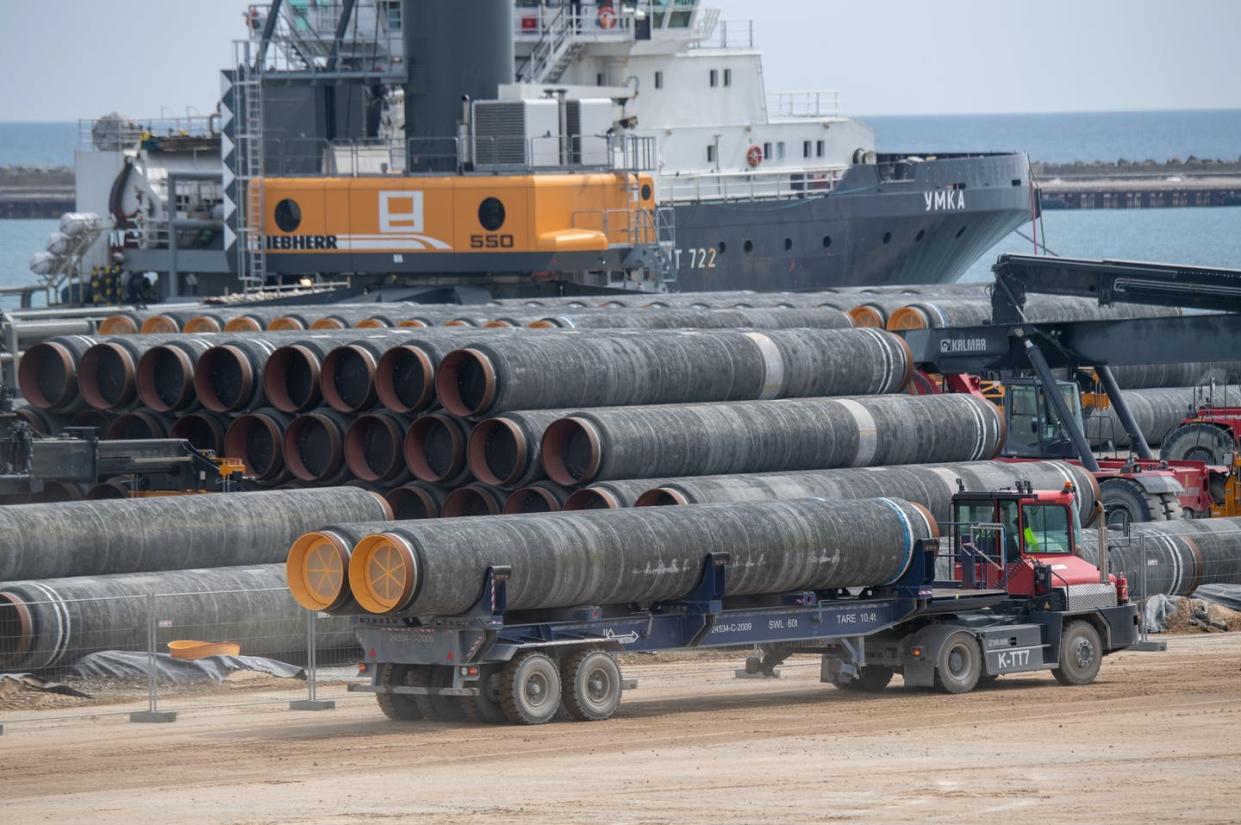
[{"x": 1157, "y": 738}]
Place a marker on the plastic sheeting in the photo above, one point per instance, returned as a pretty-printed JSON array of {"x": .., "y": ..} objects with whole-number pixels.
[
  {"x": 122, "y": 664},
  {"x": 1226, "y": 595}
]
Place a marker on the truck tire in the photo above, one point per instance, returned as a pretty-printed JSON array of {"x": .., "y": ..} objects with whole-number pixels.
[
  {"x": 485, "y": 707},
  {"x": 399, "y": 707},
  {"x": 959, "y": 664},
  {"x": 871, "y": 679},
  {"x": 590, "y": 685},
  {"x": 436, "y": 708},
  {"x": 1126, "y": 502},
  {"x": 530, "y": 688},
  {"x": 1081, "y": 654},
  {"x": 1199, "y": 441}
]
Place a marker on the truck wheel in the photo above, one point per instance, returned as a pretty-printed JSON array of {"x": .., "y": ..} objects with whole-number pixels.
[
  {"x": 436, "y": 708},
  {"x": 399, "y": 707},
  {"x": 530, "y": 689},
  {"x": 590, "y": 685},
  {"x": 871, "y": 679},
  {"x": 959, "y": 664},
  {"x": 1198, "y": 442},
  {"x": 1081, "y": 654},
  {"x": 485, "y": 707},
  {"x": 1126, "y": 502}
]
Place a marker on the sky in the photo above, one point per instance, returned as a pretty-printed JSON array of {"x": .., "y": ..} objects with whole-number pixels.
[{"x": 147, "y": 58}]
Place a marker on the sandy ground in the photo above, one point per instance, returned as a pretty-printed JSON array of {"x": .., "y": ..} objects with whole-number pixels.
[{"x": 1157, "y": 738}]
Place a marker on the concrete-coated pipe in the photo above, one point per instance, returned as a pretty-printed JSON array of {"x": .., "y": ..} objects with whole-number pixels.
[
  {"x": 138, "y": 425},
  {"x": 964, "y": 311},
  {"x": 540, "y": 497},
  {"x": 108, "y": 372},
  {"x": 166, "y": 373},
  {"x": 229, "y": 377},
  {"x": 611, "y": 495},
  {"x": 95, "y": 419},
  {"x": 170, "y": 533},
  {"x": 127, "y": 322},
  {"x": 251, "y": 319},
  {"x": 374, "y": 448},
  {"x": 42, "y": 422},
  {"x": 614, "y": 557},
  {"x": 1149, "y": 376},
  {"x": 504, "y": 451},
  {"x": 931, "y": 485},
  {"x": 768, "y": 436},
  {"x": 167, "y": 323},
  {"x": 375, "y": 316},
  {"x": 669, "y": 367},
  {"x": 473, "y": 500},
  {"x": 317, "y": 566},
  {"x": 53, "y": 622},
  {"x": 347, "y": 378},
  {"x": 206, "y": 321},
  {"x": 257, "y": 440},
  {"x": 404, "y": 377},
  {"x": 291, "y": 375},
  {"x": 812, "y": 318},
  {"x": 314, "y": 447},
  {"x": 1173, "y": 557},
  {"x": 204, "y": 431},
  {"x": 47, "y": 373},
  {"x": 416, "y": 500},
  {"x": 294, "y": 320},
  {"x": 1157, "y": 412},
  {"x": 435, "y": 450}
]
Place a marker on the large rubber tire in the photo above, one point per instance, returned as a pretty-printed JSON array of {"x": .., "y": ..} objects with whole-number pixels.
[
  {"x": 1199, "y": 442},
  {"x": 529, "y": 689},
  {"x": 436, "y": 708},
  {"x": 1126, "y": 503},
  {"x": 485, "y": 707},
  {"x": 1081, "y": 654},
  {"x": 399, "y": 707},
  {"x": 959, "y": 665},
  {"x": 590, "y": 685},
  {"x": 871, "y": 679}
]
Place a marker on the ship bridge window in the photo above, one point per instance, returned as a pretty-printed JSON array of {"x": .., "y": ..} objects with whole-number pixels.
[
  {"x": 805, "y": 148},
  {"x": 728, "y": 77},
  {"x": 780, "y": 150},
  {"x": 714, "y": 77},
  {"x": 766, "y": 151},
  {"x": 819, "y": 148},
  {"x": 710, "y": 153},
  {"x": 659, "y": 80}
]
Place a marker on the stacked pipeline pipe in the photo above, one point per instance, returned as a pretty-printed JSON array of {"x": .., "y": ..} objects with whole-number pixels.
[
  {"x": 1173, "y": 557},
  {"x": 975, "y": 311},
  {"x": 612, "y": 557},
  {"x": 1157, "y": 412},
  {"x": 72, "y": 575},
  {"x": 761, "y": 436}
]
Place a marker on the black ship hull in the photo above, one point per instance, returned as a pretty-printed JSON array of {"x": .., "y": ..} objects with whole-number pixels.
[{"x": 888, "y": 223}]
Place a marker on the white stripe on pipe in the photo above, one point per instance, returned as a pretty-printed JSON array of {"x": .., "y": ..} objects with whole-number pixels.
[
  {"x": 939, "y": 313},
  {"x": 773, "y": 366},
  {"x": 867, "y": 432},
  {"x": 881, "y": 338},
  {"x": 57, "y": 605}
]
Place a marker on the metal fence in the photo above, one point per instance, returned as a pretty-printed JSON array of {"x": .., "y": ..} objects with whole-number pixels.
[{"x": 152, "y": 656}]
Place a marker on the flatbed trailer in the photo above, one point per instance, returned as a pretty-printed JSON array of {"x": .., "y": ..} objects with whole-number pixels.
[{"x": 986, "y": 618}]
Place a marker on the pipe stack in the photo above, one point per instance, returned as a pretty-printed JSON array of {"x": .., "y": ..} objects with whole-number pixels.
[{"x": 73, "y": 575}]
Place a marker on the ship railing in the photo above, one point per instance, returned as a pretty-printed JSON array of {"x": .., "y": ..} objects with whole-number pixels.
[
  {"x": 118, "y": 134},
  {"x": 710, "y": 31},
  {"x": 517, "y": 154},
  {"x": 600, "y": 22},
  {"x": 804, "y": 103},
  {"x": 630, "y": 227},
  {"x": 182, "y": 233},
  {"x": 724, "y": 186}
]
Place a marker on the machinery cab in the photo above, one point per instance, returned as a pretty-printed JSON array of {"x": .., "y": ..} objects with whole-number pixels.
[
  {"x": 1022, "y": 541},
  {"x": 1034, "y": 428}
]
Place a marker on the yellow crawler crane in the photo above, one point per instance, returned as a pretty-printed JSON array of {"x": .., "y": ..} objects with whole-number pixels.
[{"x": 550, "y": 224}]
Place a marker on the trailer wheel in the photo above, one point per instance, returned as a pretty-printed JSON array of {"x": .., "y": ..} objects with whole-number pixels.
[
  {"x": 590, "y": 685},
  {"x": 399, "y": 707},
  {"x": 436, "y": 708},
  {"x": 530, "y": 689},
  {"x": 1081, "y": 654},
  {"x": 485, "y": 707},
  {"x": 1126, "y": 502},
  {"x": 959, "y": 665},
  {"x": 1198, "y": 441},
  {"x": 871, "y": 679}
]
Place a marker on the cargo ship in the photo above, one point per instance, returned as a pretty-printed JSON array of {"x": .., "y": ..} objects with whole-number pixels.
[{"x": 444, "y": 151}]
